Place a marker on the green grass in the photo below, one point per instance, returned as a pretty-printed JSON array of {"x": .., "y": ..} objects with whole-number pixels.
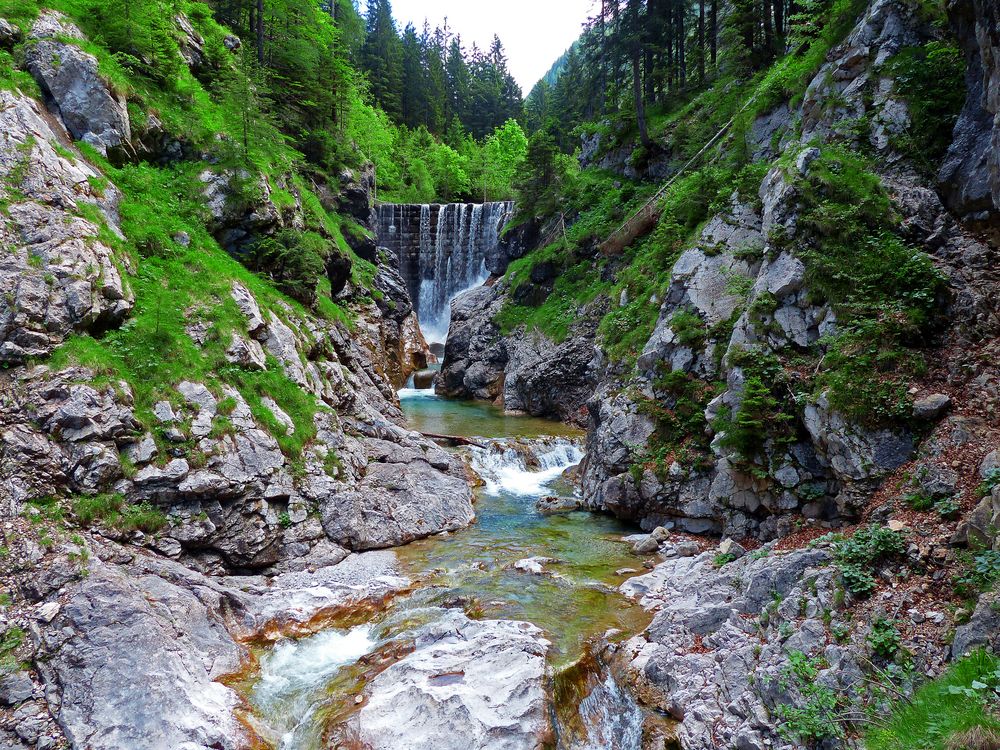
[
  {"x": 943, "y": 708},
  {"x": 111, "y": 510}
]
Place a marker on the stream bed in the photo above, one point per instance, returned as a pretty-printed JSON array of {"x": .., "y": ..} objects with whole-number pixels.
[{"x": 559, "y": 572}]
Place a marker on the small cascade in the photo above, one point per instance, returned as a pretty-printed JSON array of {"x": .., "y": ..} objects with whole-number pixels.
[
  {"x": 522, "y": 469},
  {"x": 442, "y": 251},
  {"x": 611, "y": 718},
  {"x": 293, "y": 680}
]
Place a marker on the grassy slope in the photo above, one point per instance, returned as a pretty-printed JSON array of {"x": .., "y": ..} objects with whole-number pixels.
[
  {"x": 176, "y": 286},
  {"x": 964, "y": 697}
]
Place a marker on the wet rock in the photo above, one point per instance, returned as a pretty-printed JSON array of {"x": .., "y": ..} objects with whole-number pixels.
[
  {"x": 467, "y": 684},
  {"x": 159, "y": 690},
  {"x": 552, "y": 505},
  {"x": 424, "y": 379},
  {"x": 645, "y": 546},
  {"x": 533, "y": 565}
]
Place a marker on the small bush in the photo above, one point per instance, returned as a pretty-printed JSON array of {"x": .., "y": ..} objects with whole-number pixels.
[
  {"x": 855, "y": 557},
  {"x": 884, "y": 638},
  {"x": 112, "y": 511}
]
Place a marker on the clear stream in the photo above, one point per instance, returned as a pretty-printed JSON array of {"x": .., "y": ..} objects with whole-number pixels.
[{"x": 305, "y": 685}]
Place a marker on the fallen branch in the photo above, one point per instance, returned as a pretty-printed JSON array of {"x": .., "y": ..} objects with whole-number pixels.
[{"x": 454, "y": 439}]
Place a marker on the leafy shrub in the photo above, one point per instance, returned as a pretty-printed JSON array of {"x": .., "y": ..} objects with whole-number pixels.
[
  {"x": 689, "y": 328},
  {"x": 815, "y": 717},
  {"x": 9, "y": 643},
  {"x": 855, "y": 557},
  {"x": 884, "y": 638},
  {"x": 762, "y": 414},
  {"x": 293, "y": 260},
  {"x": 978, "y": 574},
  {"x": 918, "y": 500},
  {"x": 991, "y": 481},
  {"x": 932, "y": 80}
]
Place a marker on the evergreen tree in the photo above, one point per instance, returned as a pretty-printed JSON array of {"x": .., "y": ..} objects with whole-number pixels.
[
  {"x": 382, "y": 56},
  {"x": 413, "y": 96}
]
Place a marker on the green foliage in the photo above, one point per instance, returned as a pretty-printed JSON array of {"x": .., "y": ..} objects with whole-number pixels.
[
  {"x": 884, "y": 638},
  {"x": 814, "y": 717},
  {"x": 678, "y": 411},
  {"x": 978, "y": 573},
  {"x": 988, "y": 484},
  {"x": 931, "y": 79},
  {"x": 763, "y": 413},
  {"x": 10, "y": 642},
  {"x": 689, "y": 328},
  {"x": 963, "y": 698},
  {"x": 293, "y": 260},
  {"x": 720, "y": 561},
  {"x": 885, "y": 293},
  {"x": 111, "y": 510},
  {"x": 918, "y": 500},
  {"x": 857, "y": 556}
]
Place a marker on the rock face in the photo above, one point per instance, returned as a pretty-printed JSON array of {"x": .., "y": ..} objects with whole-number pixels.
[
  {"x": 85, "y": 103},
  {"x": 716, "y": 658},
  {"x": 161, "y": 689},
  {"x": 407, "y": 491},
  {"x": 467, "y": 684},
  {"x": 183, "y": 633},
  {"x": 971, "y": 171},
  {"x": 60, "y": 277},
  {"x": 521, "y": 372},
  {"x": 210, "y": 458}
]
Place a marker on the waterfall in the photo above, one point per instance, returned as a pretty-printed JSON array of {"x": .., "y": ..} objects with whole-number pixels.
[{"x": 442, "y": 252}]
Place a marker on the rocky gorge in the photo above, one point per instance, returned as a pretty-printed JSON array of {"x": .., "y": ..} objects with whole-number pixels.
[{"x": 231, "y": 519}]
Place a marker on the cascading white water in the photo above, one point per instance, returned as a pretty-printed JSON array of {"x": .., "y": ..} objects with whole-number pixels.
[
  {"x": 504, "y": 467},
  {"x": 442, "y": 252},
  {"x": 294, "y": 674},
  {"x": 611, "y": 717}
]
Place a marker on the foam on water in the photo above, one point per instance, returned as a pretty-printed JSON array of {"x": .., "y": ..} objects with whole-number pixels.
[
  {"x": 505, "y": 469},
  {"x": 293, "y": 672}
]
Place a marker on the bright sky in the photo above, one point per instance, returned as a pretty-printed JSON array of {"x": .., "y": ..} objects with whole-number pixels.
[{"x": 534, "y": 32}]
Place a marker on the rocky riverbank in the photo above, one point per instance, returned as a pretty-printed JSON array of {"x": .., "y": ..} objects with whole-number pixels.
[{"x": 720, "y": 429}]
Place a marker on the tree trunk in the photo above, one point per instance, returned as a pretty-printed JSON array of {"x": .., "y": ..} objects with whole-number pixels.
[
  {"x": 260, "y": 31},
  {"x": 713, "y": 32},
  {"x": 779, "y": 24},
  {"x": 640, "y": 107},
  {"x": 670, "y": 46},
  {"x": 765, "y": 11},
  {"x": 681, "y": 59},
  {"x": 701, "y": 41}
]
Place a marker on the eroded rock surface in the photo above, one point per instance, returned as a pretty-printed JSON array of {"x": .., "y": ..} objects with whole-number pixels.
[{"x": 468, "y": 684}]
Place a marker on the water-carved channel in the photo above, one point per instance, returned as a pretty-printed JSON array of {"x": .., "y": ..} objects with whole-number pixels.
[{"x": 559, "y": 571}]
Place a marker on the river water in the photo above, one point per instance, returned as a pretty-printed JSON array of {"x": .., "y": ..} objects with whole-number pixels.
[{"x": 304, "y": 685}]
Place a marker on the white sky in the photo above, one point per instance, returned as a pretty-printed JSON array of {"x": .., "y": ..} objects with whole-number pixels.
[{"x": 534, "y": 32}]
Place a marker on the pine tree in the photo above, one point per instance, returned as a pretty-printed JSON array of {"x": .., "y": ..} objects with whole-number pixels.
[{"x": 382, "y": 57}]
